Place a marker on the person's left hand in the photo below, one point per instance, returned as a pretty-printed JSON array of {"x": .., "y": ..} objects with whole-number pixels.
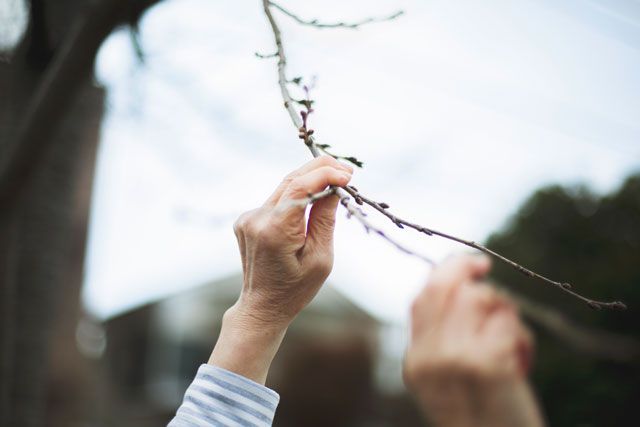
[{"x": 470, "y": 352}]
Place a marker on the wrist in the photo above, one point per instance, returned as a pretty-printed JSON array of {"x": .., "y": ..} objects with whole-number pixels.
[
  {"x": 498, "y": 402},
  {"x": 510, "y": 403},
  {"x": 247, "y": 344},
  {"x": 265, "y": 313}
]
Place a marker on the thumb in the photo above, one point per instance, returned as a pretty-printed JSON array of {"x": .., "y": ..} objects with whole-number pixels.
[{"x": 322, "y": 221}]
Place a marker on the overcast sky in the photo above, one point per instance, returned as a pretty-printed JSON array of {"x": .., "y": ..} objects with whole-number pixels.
[{"x": 460, "y": 109}]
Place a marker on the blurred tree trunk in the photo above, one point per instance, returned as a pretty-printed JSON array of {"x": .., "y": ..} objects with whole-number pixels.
[{"x": 50, "y": 113}]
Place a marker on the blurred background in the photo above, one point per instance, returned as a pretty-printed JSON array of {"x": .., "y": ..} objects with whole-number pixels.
[{"x": 133, "y": 133}]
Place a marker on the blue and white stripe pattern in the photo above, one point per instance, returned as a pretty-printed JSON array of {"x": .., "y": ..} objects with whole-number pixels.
[{"x": 218, "y": 397}]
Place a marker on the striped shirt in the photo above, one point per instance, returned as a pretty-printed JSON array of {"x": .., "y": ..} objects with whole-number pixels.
[{"x": 218, "y": 397}]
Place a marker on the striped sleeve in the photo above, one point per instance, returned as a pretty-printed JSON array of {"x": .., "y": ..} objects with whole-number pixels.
[{"x": 218, "y": 397}]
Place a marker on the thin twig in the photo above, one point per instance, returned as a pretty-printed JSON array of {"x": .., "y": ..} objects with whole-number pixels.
[
  {"x": 598, "y": 343},
  {"x": 300, "y": 122},
  {"x": 383, "y": 208},
  {"x": 266, "y": 56},
  {"x": 313, "y": 197},
  {"x": 317, "y": 24},
  {"x": 352, "y": 210},
  {"x": 361, "y": 217}
]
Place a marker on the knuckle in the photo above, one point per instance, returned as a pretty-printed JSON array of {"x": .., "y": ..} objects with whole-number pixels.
[
  {"x": 237, "y": 227},
  {"x": 251, "y": 229},
  {"x": 289, "y": 177},
  {"x": 328, "y": 172},
  {"x": 420, "y": 367},
  {"x": 297, "y": 185},
  {"x": 298, "y": 182},
  {"x": 327, "y": 161},
  {"x": 482, "y": 295},
  {"x": 260, "y": 230},
  {"x": 265, "y": 232},
  {"x": 249, "y": 223},
  {"x": 415, "y": 370},
  {"x": 240, "y": 225},
  {"x": 336, "y": 172},
  {"x": 510, "y": 345},
  {"x": 469, "y": 296}
]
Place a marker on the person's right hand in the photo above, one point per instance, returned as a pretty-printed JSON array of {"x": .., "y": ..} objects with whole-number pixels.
[
  {"x": 285, "y": 261},
  {"x": 469, "y": 352},
  {"x": 285, "y": 258}
]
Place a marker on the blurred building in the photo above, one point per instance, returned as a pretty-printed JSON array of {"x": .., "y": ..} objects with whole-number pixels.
[{"x": 330, "y": 370}]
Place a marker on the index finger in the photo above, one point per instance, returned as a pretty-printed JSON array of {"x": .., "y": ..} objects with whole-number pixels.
[
  {"x": 310, "y": 166},
  {"x": 315, "y": 181},
  {"x": 435, "y": 298}
]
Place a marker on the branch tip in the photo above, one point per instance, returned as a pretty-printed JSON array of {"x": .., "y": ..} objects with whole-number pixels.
[{"x": 317, "y": 24}]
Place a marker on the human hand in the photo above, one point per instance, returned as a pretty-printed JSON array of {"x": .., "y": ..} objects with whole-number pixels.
[
  {"x": 285, "y": 261},
  {"x": 469, "y": 352}
]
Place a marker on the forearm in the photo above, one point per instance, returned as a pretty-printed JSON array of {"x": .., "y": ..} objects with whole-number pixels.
[
  {"x": 230, "y": 390},
  {"x": 246, "y": 346},
  {"x": 285, "y": 259}
]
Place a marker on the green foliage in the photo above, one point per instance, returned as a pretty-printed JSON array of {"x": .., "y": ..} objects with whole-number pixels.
[{"x": 592, "y": 242}]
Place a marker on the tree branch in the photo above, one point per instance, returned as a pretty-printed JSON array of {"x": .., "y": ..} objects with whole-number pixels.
[
  {"x": 300, "y": 122},
  {"x": 353, "y": 25},
  {"x": 383, "y": 208}
]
